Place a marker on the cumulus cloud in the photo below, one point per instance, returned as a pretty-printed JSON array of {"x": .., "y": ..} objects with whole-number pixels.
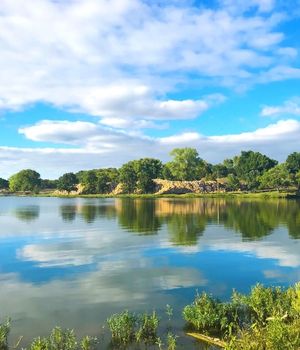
[
  {"x": 289, "y": 107},
  {"x": 94, "y": 146},
  {"x": 110, "y": 59},
  {"x": 126, "y": 62}
]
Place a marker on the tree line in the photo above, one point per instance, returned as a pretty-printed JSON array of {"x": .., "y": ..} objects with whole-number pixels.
[{"x": 250, "y": 171}]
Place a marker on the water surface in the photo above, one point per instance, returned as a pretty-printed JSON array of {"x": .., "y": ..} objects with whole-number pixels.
[{"x": 74, "y": 262}]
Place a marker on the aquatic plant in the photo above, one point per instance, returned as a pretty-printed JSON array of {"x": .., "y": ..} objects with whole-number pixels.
[
  {"x": 40, "y": 344},
  {"x": 171, "y": 341},
  {"x": 4, "y": 332},
  {"x": 147, "y": 331},
  {"x": 122, "y": 327},
  {"x": 266, "y": 319},
  {"x": 203, "y": 313},
  {"x": 169, "y": 311},
  {"x": 88, "y": 343},
  {"x": 60, "y": 339}
]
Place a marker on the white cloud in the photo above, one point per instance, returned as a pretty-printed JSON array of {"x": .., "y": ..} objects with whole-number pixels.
[
  {"x": 120, "y": 59},
  {"x": 94, "y": 146},
  {"x": 289, "y": 107}
]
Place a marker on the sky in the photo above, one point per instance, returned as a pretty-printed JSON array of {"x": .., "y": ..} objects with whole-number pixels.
[{"x": 86, "y": 84}]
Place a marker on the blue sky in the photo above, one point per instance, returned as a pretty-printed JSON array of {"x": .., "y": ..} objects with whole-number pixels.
[{"x": 94, "y": 83}]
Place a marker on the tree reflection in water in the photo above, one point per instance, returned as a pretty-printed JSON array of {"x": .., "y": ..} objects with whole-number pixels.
[{"x": 186, "y": 219}]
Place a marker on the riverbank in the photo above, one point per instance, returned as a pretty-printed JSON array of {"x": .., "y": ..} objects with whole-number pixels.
[{"x": 239, "y": 194}]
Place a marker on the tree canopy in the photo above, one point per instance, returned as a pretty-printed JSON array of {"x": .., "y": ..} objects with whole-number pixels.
[
  {"x": 250, "y": 165},
  {"x": 249, "y": 170},
  {"x": 25, "y": 180},
  {"x": 4, "y": 184},
  {"x": 67, "y": 182},
  {"x": 186, "y": 165}
]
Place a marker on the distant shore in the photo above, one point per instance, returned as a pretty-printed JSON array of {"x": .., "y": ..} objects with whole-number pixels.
[{"x": 239, "y": 194}]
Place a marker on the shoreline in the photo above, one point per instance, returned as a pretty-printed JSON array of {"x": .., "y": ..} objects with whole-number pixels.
[{"x": 231, "y": 195}]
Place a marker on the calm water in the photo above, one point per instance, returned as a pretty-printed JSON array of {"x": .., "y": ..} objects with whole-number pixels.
[{"x": 74, "y": 262}]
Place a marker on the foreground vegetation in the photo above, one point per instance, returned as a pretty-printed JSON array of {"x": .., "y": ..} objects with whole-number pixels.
[
  {"x": 248, "y": 171},
  {"x": 266, "y": 319}
]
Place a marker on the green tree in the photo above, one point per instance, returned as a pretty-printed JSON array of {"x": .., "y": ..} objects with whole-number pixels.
[
  {"x": 49, "y": 184},
  {"x": 276, "y": 177},
  {"x": 293, "y": 162},
  {"x": 103, "y": 180},
  {"x": 25, "y": 180},
  {"x": 233, "y": 182},
  {"x": 128, "y": 177},
  {"x": 250, "y": 165},
  {"x": 67, "y": 182},
  {"x": 4, "y": 184},
  {"x": 219, "y": 170},
  {"x": 186, "y": 164},
  {"x": 147, "y": 169},
  {"x": 89, "y": 181},
  {"x": 297, "y": 179},
  {"x": 230, "y": 166}
]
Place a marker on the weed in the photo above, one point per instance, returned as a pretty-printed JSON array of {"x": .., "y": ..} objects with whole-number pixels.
[
  {"x": 88, "y": 343},
  {"x": 122, "y": 327},
  {"x": 147, "y": 331},
  {"x": 171, "y": 341},
  {"x": 169, "y": 311},
  {"x": 4, "y": 331}
]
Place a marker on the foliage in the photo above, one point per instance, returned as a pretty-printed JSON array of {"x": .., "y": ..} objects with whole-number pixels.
[
  {"x": 169, "y": 311},
  {"x": 67, "y": 182},
  {"x": 4, "y": 184},
  {"x": 49, "y": 184},
  {"x": 4, "y": 332},
  {"x": 250, "y": 170},
  {"x": 122, "y": 327},
  {"x": 266, "y": 319},
  {"x": 277, "y": 177},
  {"x": 147, "y": 331},
  {"x": 88, "y": 343},
  {"x": 233, "y": 182},
  {"x": 98, "y": 180},
  {"x": 25, "y": 180},
  {"x": 60, "y": 339},
  {"x": 293, "y": 162},
  {"x": 147, "y": 169},
  {"x": 171, "y": 341},
  {"x": 203, "y": 313},
  {"x": 297, "y": 179},
  {"x": 250, "y": 165},
  {"x": 89, "y": 180},
  {"x": 186, "y": 165},
  {"x": 128, "y": 177},
  {"x": 219, "y": 170}
]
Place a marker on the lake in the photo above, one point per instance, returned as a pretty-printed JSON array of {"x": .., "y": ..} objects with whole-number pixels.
[{"x": 74, "y": 262}]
